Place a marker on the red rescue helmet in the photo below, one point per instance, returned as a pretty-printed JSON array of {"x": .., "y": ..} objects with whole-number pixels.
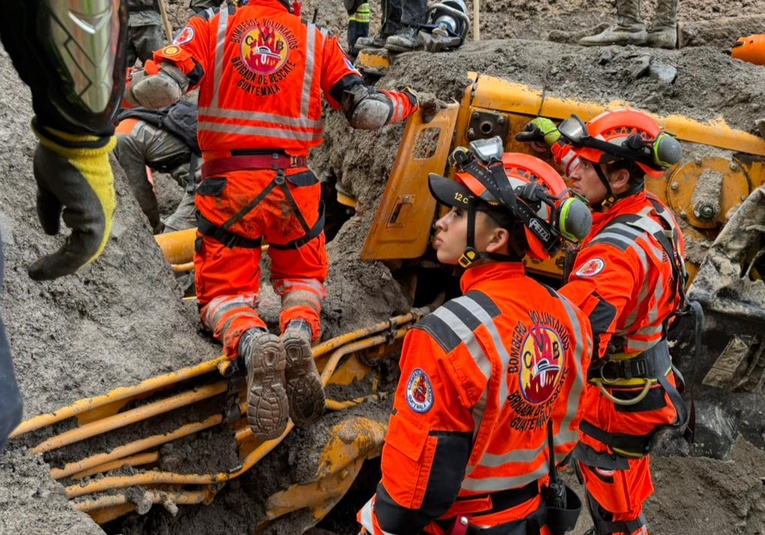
[
  {"x": 622, "y": 135},
  {"x": 532, "y": 193}
]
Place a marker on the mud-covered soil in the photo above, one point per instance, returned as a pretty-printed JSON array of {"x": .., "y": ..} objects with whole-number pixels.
[{"x": 122, "y": 319}]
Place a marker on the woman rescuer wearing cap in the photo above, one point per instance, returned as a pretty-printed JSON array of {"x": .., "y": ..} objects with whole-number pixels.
[{"x": 491, "y": 381}]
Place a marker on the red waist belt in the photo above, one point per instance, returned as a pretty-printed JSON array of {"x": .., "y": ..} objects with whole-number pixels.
[{"x": 253, "y": 161}]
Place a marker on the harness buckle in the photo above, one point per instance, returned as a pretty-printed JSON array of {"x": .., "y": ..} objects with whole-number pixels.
[{"x": 615, "y": 370}]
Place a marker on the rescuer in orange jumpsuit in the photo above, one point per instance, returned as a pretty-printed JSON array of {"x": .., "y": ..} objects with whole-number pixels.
[
  {"x": 629, "y": 277},
  {"x": 488, "y": 378},
  {"x": 261, "y": 72}
]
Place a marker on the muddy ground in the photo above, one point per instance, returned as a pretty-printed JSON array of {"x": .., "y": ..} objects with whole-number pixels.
[{"x": 122, "y": 319}]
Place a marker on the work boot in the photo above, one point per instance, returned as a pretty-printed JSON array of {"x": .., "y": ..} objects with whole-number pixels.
[
  {"x": 304, "y": 389},
  {"x": 663, "y": 32},
  {"x": 628, "y": 30},
  {"x": 363, "y": 43},
  {"x": 265, "y": 360},
  {"x": 404, "y": 41}
]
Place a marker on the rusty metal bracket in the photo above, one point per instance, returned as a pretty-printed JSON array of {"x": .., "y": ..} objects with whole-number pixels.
[{"x": 484, "y": 124}]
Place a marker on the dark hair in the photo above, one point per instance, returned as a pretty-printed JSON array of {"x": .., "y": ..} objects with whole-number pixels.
[
  {"x": 517, "y": 244},
  {"x": 637, "y": 175}
]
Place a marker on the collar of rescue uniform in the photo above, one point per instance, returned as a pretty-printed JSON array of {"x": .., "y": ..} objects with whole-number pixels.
[
  {"x": 491, "y": 271},
  {"x": 626, "y": 205},
  {"x": 272, "y": 4}
]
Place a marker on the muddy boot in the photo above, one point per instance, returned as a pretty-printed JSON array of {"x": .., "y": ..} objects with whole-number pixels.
[
  {"x": 663, "y": 33},
  {"x": 265, "y": 360},
  {"x": 304, "y": 389},
  {"x": 404, "y": 41},
  {"x": 628, "y": 30},
  {"x": 363, "y": 43}
]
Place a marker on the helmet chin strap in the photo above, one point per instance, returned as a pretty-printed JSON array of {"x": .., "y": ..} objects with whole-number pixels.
[
  {"x": 471, "y": 255},
  {"x": 611, "y": 198}
]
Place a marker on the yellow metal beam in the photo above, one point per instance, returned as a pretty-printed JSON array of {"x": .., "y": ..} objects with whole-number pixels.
[{"x": 495, "y": 94}]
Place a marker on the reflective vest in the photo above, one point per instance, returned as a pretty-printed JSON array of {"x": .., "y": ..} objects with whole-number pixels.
[{"x": 264, "y": 72}]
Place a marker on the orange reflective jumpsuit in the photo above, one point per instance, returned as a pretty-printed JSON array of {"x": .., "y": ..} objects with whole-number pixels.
[
  {"x": 625, "y": 278},
  {"x": 261, "y": 73},
  {"x": 480, "y": 377}
]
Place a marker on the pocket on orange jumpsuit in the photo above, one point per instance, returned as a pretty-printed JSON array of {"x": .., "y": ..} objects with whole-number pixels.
[
  {"x": 407, "y": 460},
  {"x": 305, "y": 190},
  {"x": 621, "y": 492},
  {"x": 643, "y": 418}
]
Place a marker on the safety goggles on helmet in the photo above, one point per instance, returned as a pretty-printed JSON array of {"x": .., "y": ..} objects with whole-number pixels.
[{"x": 521, "y": 185}]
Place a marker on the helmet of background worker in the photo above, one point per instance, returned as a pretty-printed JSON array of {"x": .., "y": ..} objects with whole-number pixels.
[
  {"x": 626, "y": 138},
  {"x": 628, "y": 135},
  {"x": 523, "y": 193}
]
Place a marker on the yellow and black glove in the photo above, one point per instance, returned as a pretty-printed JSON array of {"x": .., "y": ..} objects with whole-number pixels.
[{"x": 73, "y": 176}]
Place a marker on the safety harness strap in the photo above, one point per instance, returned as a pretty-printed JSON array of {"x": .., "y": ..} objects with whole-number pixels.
[
  {"x": 634, "y": 445},
  {"x": 647, "y": 365},
  {"x": 239, "y": 162},
  {"x": 317, "y": 229},
  {"x": 223, "y": 235},
  {"x": 227, "y": 238}
]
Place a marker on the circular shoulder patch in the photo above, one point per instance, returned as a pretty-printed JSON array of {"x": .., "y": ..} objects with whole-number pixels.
[
  {"x": 171, "y": 50},
  {"x": 184, "y": 36},
  {"x": 419, "y": 391},
  {"x": 591, "y": 268}
]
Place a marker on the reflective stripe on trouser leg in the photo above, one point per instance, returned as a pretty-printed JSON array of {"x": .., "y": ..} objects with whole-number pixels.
[
  {"x": 298, "y": 276},
  {"x": 229, "y": 316},
  {"x": 301, "y": 299},
  {"x": 228, "y": 285}
]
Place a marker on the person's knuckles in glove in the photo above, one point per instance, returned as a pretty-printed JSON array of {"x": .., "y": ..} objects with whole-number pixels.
[{"x": 78, "y": 184}]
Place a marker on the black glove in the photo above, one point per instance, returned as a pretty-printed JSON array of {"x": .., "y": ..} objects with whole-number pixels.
[{"x": 77, "y": 180}]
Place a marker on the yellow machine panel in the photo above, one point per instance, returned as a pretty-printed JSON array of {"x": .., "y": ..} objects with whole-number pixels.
[{"x": 401, "y": 228}]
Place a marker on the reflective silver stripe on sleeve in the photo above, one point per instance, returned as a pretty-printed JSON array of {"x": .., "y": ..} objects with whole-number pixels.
[
  {"x": 220, "y": 47},
  {"x": 310, "y": 65},
  {"x": 566, "y": 433},
  {"x": 466, "y": 335}
]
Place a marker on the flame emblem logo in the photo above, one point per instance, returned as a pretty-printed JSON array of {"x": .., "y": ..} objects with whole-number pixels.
[
  {"x": 591, "y": 268},
  {"x": 264, "y": 50},
  {"x": 184, "y": 36},
  {"x": 419, "y": 391},
  {"x": 541, "y": 365}
]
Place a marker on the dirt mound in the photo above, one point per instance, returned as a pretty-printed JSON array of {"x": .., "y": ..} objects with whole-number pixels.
[{"x": 122, "y": 319}]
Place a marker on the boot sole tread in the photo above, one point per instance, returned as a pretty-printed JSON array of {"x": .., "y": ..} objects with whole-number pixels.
[
  {"x": 304, "y": 389},
  {"x": 267, "y": 406}
]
